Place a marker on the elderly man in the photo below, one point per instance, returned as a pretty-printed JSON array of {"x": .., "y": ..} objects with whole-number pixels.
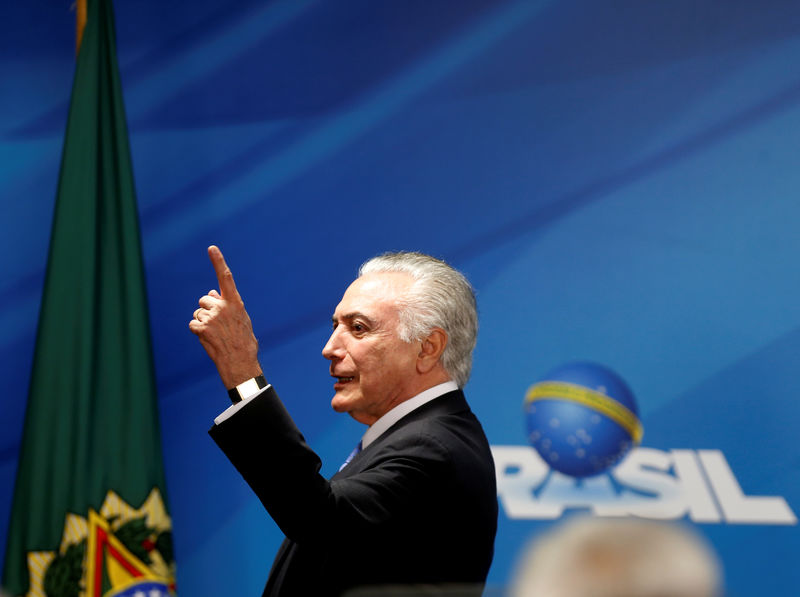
[{"x": 416, "y": 502}]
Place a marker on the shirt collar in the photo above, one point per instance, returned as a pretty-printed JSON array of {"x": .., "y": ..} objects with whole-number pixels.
[{"x": 401, "y": 410}]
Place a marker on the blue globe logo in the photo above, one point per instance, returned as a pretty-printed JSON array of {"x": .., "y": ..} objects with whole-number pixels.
[{"x": 582, "y": 419}]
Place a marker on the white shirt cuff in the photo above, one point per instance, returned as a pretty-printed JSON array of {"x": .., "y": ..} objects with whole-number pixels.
[{"x": 235, "y": 408}]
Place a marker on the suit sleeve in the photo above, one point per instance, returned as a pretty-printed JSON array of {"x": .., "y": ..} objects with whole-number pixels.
[{"x": 270, "y": 453}]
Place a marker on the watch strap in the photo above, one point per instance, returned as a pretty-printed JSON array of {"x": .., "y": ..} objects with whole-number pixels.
[{"x": 247, "y": 389}]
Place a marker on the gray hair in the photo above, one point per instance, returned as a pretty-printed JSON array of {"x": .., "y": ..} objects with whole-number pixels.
[
  {"x": 589, "y": 557},
  {"x": 441, "y": 297}
]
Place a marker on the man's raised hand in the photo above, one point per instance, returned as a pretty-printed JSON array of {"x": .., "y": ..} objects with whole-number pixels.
[{"x": 224, "y": 329}]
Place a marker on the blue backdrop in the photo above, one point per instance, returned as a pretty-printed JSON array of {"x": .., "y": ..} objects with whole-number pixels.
[{"x": 618, "y": 179}]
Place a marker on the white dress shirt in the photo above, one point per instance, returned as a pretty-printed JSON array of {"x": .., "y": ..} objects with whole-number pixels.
[{"x": 401, "y": 410}]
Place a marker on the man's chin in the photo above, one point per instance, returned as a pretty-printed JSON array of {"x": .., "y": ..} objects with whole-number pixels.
[{"x": 340, "y": 404}]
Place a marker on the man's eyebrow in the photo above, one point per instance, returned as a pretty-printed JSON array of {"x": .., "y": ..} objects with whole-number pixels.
[{"x": 351, "y": 316}]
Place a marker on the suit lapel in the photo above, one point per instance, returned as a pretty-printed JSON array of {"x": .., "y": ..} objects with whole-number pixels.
[{"x": 446, "y": 404}]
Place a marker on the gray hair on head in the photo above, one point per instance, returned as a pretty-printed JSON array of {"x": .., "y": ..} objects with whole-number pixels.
[
  {"x": 441, "y": 297},
  {"x": 595, "y": 557}
]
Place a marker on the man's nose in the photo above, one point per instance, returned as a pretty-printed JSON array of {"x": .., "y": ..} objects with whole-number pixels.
[{"x": 332, "y": 347}]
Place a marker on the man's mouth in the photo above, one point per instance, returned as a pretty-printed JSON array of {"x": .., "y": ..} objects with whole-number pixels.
[{"x": 344, "y": 379}]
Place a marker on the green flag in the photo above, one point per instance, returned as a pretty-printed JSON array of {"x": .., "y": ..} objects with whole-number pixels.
[{"x": 89, "y": 511}]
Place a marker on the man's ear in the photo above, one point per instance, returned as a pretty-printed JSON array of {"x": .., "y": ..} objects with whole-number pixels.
[{"x": 431, "y": 350}]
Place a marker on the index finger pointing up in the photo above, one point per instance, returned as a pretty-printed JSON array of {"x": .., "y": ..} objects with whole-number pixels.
[{"x": 227, "y": 286}]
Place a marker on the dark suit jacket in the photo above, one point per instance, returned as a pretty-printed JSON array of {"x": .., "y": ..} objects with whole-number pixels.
[{"x": 418, "y": 505}]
